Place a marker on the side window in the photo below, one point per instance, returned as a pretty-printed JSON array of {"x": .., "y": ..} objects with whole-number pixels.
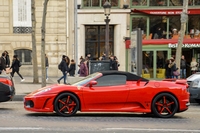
[
  {"x": 111, "y": 80},
  {"x": 24, "y": 55}
]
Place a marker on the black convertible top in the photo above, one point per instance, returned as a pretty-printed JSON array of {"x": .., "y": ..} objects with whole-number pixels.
[{"x": 130, "y": 76}]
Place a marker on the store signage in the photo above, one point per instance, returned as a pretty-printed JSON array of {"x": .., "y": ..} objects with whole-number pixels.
[
  {"x": 170, "y": 45},
  {"x": 166, "y": 11}
]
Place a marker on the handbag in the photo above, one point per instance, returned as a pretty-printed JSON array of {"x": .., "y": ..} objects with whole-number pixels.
[{"x": 176, "y": 73}]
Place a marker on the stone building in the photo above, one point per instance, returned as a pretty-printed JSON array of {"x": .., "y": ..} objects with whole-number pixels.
[{"x": 16, "y": 25}]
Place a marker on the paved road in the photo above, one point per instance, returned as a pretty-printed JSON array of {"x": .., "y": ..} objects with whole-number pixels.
[{"x": 14, "y": 119}]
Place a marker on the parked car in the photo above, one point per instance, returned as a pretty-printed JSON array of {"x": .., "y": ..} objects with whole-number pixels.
[
  {"x": 7, "y": 89},
  {"x": 194, "y": 90},
  {"x": 111, "y": 91},
  {"x": 193, "y": 77}
]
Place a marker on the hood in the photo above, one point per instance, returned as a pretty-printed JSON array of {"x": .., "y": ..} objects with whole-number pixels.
[
  {"x": 194, "y": 76},
  {"x": 53, "y": 89}
]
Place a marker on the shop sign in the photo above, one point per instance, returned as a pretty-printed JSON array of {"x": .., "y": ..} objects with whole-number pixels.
[{"x": 170, "y": 45}]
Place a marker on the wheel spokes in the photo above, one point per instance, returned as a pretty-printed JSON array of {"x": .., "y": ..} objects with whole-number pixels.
[
  {"x": 164, "y": 105},
  {"x": 170, "y": 103},
  {"x": 68, "y": 98},
  {"x": 61, "y": 102},
  {"x": 69, "y": 105},
  {"x": 164, "y": 100},
  {"x": 168, "y": 110},
  {"x": 159, "y": 104}
]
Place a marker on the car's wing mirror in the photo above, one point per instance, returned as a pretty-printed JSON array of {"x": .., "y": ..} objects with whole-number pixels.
[{"x": 93, "y": 83}]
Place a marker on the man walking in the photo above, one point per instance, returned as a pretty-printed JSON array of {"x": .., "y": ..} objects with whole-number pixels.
[{"x": 63, "y": 66}]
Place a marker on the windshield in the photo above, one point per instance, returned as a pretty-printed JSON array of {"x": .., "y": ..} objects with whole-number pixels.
[{"x": 86, "y": 79}]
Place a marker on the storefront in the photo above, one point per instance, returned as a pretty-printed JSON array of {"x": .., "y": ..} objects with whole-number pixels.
[{"x": 156, "y": 52}]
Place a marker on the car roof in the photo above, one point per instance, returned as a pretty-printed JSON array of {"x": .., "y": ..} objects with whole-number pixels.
[{"x": 130, "y": 76}]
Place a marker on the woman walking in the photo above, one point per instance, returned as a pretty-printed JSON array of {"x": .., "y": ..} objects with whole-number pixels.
[{"x": 15, "y": 67}]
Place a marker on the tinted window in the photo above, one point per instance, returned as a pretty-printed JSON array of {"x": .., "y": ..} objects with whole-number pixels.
[{"x": 111, "y": 80}]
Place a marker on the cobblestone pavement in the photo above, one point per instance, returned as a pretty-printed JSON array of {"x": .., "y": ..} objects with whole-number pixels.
[{"x": 15, "y": 119}]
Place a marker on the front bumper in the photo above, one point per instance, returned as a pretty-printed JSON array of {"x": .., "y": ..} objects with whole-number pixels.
[
  {"x": 42, "y": 103},
  {"x": 194, "y": 93}
]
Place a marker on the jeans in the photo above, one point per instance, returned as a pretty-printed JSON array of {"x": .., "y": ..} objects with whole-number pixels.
[
  {"x": 64, "y": 76},
  {"x": 183, "y": 73}
]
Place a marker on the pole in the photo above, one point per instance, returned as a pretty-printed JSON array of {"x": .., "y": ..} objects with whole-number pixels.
[
  {"x": 75, "y": 36},
  {"x": 107, "y": 37}
]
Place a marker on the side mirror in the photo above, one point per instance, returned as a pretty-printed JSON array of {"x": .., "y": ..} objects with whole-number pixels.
[{"x": 93, "y": 83}]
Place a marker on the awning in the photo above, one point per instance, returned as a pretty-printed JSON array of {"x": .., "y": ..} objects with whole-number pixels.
[
  {"x": 165, "y": 11},
  {"x": 170, "y": 41}
]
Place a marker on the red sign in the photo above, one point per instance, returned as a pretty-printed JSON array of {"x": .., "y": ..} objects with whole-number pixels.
[
  {"x": 170, "y": 41},
  {"x": 165, "y": 11}
]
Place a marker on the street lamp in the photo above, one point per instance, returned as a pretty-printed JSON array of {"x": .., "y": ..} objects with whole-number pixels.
[{"x": 107, "y": 7}]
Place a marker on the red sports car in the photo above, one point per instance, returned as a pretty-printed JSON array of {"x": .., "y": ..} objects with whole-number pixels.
[{"x": 111, "y": 91}]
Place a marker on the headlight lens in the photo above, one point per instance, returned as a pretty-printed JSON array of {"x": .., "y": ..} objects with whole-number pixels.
[{"x": 196, "y": 84}]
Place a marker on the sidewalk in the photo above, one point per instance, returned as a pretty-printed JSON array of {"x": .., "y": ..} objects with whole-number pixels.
[{"x": 27, "y": 86}]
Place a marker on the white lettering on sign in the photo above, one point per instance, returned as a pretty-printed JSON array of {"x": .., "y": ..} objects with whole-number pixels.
[{"x": 170, "y": 45}]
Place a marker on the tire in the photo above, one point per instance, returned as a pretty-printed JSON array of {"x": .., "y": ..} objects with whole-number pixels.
[
  {"x": 164, "y": 105},
  {"x": 66, "y": 104},
  {"x": 197, "y": 101}
]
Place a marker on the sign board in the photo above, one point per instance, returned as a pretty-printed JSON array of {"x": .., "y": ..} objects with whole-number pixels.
[
  {"x": 170, "y": 45},
  {"x": 97, "y": 66}
]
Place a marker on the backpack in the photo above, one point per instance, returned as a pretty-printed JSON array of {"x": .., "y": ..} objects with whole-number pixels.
[{"x": 60, "y": 66}]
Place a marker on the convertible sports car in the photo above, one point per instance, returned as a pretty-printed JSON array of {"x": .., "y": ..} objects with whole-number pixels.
[
  {"x": 7, "y": 89},
  {"x": 111, "y": 91}
]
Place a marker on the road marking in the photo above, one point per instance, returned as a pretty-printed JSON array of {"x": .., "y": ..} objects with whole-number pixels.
[
  {"x": 20, "y": 128},
  {"x": 152, "y": 129}
]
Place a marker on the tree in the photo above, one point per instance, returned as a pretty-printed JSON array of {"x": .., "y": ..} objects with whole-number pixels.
[
  {"x": 43, "y": 31},
  {"x": 34, "y": 49},
  {"x": 184, "y": 18}
]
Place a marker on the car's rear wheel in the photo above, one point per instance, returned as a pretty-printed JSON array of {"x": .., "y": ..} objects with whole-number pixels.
[
  {"x": 164, "y": 105},
  {"x": 66, "y": 104}
]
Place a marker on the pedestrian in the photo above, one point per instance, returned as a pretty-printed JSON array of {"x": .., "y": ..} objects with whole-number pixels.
[
  {"x": 83, "y": 68},
  {"x": 7, "y": 59},
  {"x": 64, "y": 68},
  {"x": 72, "y": 68},
  {"x": 172, "y": 66},
  {"x": 47, "y": 66},
  {"x": 167, "y": 70},
  {"x": 113, "y": 63},
  {"x": 194, "y": 66},
  {"x": 183, "y": 67},
  {"x": 2, "y": 63},
  {"x": 16, "y": 64}
]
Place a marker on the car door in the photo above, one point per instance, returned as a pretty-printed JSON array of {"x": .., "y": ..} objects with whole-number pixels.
[{"x": 110, "y": 93}]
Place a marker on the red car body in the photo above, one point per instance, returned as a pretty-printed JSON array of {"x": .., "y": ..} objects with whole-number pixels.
[{"x": 112, "y": 91}]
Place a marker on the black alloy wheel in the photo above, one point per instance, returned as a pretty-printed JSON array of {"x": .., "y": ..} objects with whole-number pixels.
[
  {"x": 164, "y": 105},
  {"x": 66, "y": 104}
]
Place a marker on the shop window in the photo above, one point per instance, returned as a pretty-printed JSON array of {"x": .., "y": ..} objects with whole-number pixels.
[
  {"x": 139, "y": 2},
  {"x": 140, "y": 22},
  {"x": 24, "y": 56},
  {"x": 194, "y": 26},
  {"x": 22, "y": 23},
  {"x": 99, "y": 3},
  {"x": 158, "y": 2},
  {"x": 147, "y": 69}
]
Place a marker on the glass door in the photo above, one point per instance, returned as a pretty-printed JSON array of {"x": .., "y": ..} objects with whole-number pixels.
[{"x": 147, "y": 69}]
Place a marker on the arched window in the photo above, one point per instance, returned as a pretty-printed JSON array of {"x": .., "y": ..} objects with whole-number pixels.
[{"x": 24, "y": 55}]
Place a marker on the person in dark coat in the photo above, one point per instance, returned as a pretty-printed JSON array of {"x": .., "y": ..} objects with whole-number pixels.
[
  {"x": 2, "y": 63},
  {"x": 47, "y": 66},
  {"x": 113, "y": 63},
  {"x": 83, "y": 68},
  {"x": 15, "y": 67},
  {"x": 167, "y": 70},
  {"x": 7, "y": 59},
  {"x": 72, "y": 68},
  {"x": 64, "y": 68}
]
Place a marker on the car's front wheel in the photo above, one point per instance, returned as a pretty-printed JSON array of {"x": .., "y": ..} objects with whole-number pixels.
[
  {"x": 164, "y": 105},
  {"x": 66, "y": 104}
]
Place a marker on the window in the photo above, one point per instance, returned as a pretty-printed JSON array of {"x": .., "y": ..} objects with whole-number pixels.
[
  {"x": 139, "y": 22},
  {"x": 24, "y": 55},
  {"x": 95, "y": 40},
  {"x": 99, "y": 3},
  {"x": 139, "y": 2},
  {"x": 111, "y": 80},
  {"x": 22, "y": 16}
]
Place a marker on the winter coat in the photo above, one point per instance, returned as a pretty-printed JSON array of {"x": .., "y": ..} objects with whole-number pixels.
[
  {"x": 46, "y": 62},
  {"x": 15, "y": 65},
  {"x": 168, "y": 70},
  {"x": 183, "y": 64},
  {"x": 64, "y": 66},
  {"x": 113, "y": 65},
  {"x": 2, "y": 63},
  {"x": 83, "y": 70},
  {"x": 173, "y": 67},
  {"x": 7, "y": 60},
  {"x": 72, "y": 68}
]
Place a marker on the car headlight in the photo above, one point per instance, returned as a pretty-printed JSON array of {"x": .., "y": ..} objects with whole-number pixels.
[
  {"x": 42, "y": 91},
  {"x": 196, "y": 84}
]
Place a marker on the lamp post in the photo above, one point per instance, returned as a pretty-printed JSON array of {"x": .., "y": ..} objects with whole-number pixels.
[{"x": 107, "y": 7}]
